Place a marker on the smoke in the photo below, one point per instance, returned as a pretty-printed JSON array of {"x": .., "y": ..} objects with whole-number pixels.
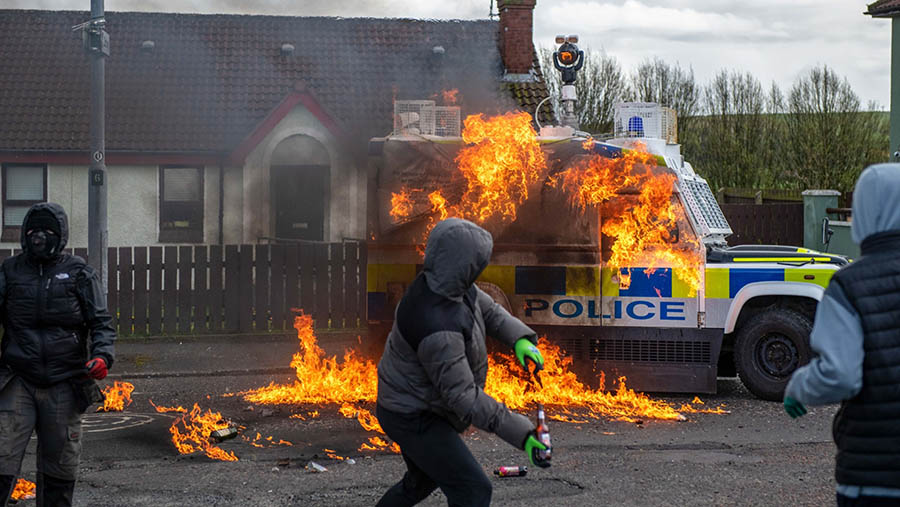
[{"x": 465, "y": 9}]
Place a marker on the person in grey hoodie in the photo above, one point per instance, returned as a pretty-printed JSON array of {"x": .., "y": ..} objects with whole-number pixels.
[
  {"x": 856, "y": 335},
  {"x": 432, "y": 373}
]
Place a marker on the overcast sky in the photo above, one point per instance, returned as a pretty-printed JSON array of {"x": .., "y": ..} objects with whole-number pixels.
[{"x": 776, "y": 40}]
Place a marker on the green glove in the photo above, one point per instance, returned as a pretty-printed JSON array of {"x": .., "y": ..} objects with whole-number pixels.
[
  {"x": 532, "y": 443},
  {"x": 524, "y": 348},
  {"x": 793, "y": 407}
]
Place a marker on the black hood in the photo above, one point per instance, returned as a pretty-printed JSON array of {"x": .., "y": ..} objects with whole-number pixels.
[{"x": 58, "y": 212}]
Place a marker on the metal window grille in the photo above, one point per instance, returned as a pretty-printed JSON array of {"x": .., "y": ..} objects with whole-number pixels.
[
  {"x": 414, "y": 117},
  {"x": 446, "y": 121},
  {"x": 646, "y": 119}
]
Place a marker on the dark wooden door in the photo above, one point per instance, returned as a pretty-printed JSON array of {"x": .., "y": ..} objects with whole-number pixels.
[{"x": 300, "y": 194}]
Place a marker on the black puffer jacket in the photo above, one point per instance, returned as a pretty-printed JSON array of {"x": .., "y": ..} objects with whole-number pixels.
[{"x": 52, "y": 313}]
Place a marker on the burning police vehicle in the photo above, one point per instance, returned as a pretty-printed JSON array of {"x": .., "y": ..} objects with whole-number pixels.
[{"x": 613, "y": 248}]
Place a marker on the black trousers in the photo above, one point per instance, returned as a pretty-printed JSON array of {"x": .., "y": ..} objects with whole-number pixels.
[
  {"x": 436, "y": 457},
  {"x": 867, "y": 501}
]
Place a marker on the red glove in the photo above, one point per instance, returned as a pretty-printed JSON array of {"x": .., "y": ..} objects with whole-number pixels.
[{"x": 97, "y": 368}]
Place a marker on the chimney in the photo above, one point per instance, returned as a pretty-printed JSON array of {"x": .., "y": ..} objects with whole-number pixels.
[{"x": 516, "y": 42}]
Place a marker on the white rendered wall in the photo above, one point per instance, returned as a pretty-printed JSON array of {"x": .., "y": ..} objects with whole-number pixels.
[
  {"x": 132, "y": 204},
  {"x": 345, "y": 213}
]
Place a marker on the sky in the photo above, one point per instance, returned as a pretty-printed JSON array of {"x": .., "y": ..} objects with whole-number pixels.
[{"x": 775, "y": 40}]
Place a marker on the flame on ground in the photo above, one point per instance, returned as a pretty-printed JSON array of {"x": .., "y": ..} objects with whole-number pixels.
[
  {"x": 563, "y": 389},
  {"x": 191, "y": 431},
  {"x": 322, "y": 380},
  {"x": 686, "y": 407},
  {"x": 24, "y": 490},
  {"x": 270, "y": 441},
  {"x": 370, "y": 423},
  {"x": 116, "y": 397},
  {"x": 164, "y": 410}
]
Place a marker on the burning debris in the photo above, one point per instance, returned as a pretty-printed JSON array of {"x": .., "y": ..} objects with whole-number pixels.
[
  {"x": 24, "y": 490},
  {"x": 193, "y": 432},
  {"x": 117, "y": 397}
]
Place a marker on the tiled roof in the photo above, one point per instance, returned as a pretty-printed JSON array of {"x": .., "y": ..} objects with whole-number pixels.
[
  {"x": 529, "y": 93},
  {"x": 211, "y": 79},
  {"x": 884, "y": 8}
]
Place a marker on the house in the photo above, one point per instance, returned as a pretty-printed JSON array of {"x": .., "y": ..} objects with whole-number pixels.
[
  {"x": 228, "y": 129},
  {"x": 891, "y": 9}
]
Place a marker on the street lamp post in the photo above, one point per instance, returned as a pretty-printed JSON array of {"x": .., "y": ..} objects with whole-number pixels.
[{"x": 96, "y": 43}]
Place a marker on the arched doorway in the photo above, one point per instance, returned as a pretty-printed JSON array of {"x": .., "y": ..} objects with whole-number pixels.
[{"x": 300, "y": 173}]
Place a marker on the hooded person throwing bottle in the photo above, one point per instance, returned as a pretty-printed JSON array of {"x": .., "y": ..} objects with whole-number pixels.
[{"x": 432, "y": 374}]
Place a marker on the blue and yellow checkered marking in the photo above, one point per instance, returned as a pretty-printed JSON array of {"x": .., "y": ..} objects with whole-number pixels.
[{"x": 591, "y": 281}]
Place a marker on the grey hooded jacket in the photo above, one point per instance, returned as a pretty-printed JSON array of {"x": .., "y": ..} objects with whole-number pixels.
[
  {"x": 435, "y": 358},
  {"x": 837, "y": 335},
  {"x": 836, "y": 374}
]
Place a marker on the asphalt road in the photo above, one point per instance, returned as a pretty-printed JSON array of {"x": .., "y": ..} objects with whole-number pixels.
[{"x": 755, "y": 455}]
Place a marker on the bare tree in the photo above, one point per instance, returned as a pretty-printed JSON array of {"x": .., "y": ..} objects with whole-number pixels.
[
  {"x": 728, "y": 144},
  {"x": 601, "y": 84},
  {"x": 668, "y": 85},
  {"x": 829, "y": 137}
]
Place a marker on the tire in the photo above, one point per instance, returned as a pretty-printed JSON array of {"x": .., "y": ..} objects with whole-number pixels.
[{"x": 768, "y": 348}]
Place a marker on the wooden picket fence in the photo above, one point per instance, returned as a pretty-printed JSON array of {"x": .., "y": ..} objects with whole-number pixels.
[{"x": 231, "y": 289}]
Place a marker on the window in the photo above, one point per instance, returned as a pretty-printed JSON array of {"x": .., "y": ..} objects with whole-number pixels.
[
  {"x": 23, "y": 185},
  {"x": 181, "y": 204}
]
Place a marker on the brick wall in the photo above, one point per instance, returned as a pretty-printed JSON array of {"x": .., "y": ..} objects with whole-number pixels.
[{"x": 516, "y": 41}]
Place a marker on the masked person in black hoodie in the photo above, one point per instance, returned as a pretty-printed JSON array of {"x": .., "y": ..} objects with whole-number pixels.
[
  {"x": 57, "y": 340},
  {"x": 432, "y": 374}
]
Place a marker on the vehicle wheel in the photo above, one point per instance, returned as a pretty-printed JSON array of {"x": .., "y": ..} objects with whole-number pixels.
[{"x": 768, "y": 348}]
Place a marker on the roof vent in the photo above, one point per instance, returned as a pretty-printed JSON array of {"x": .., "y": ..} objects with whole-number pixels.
[
  {"x": 147, "y": 46},
  {"x": 438, "y": 50},
  {"x": 287, "y": 49}
]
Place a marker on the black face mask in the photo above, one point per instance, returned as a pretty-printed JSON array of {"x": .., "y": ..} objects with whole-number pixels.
[{"x": 42, "y": 244}]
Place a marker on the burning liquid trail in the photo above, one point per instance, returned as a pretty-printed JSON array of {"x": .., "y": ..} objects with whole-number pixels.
[
  {"x": 322, "y": 380},
  {"x": 164, "y": 410},
  {"x": 117, "y": 397}
]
